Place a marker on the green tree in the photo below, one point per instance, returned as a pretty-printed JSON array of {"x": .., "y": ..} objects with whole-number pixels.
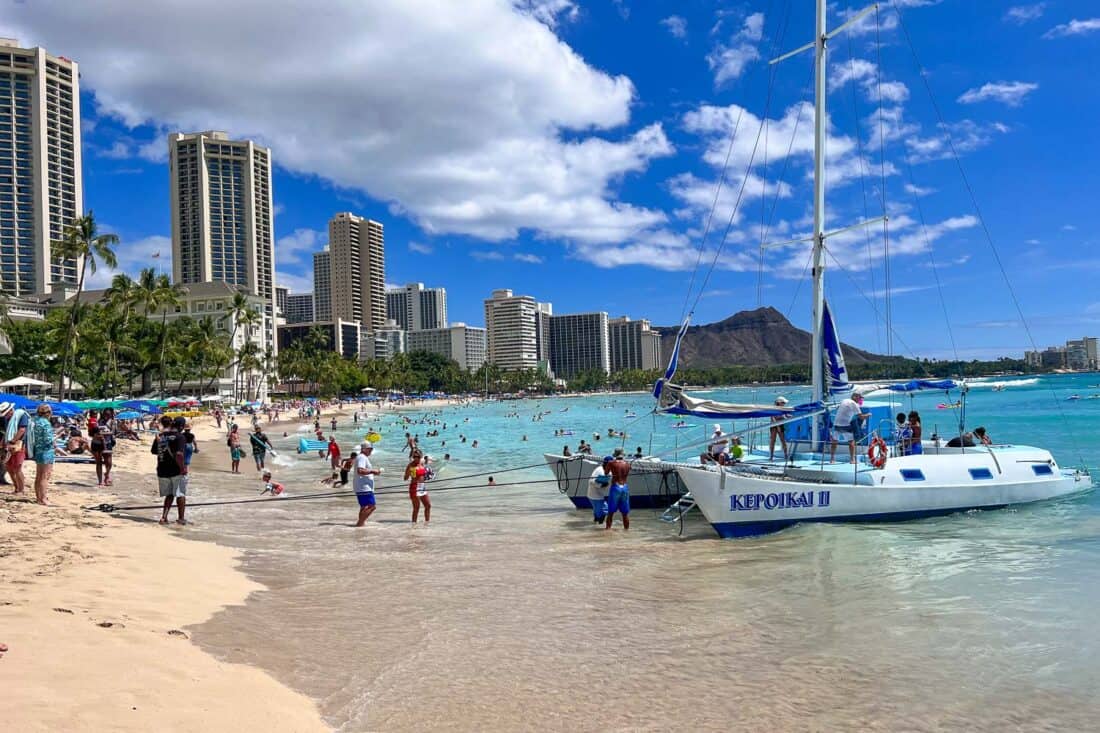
[{"x": 81, "y": 241}]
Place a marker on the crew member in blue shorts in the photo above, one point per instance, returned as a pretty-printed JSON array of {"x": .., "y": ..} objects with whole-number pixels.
[
  {"x": 364, "y": 482},
  {"x": 618, "y": 499}
]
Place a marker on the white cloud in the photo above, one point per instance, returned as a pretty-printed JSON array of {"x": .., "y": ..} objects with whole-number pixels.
[
  {"x": 469, "y": 117},
  {"x": 487, "y": 255},
  {"x": 676, "y": 25},
  {"x": 1021, "y": 14},
  {"x": 424, "y": 249},
  {"x": 1073, "y": 28},
  {"x": 966, "y": 135},
  {"x": 528, "y": 258},
  {"x": 549, "y": 11},
  {"x": 1069, "y": 228},
  {"x": 299, "y": 246},
  {"x": 728, "y": 61},
  {"x": 865, "y": 73},
  {"x": 916, "y": 190},
  {"x": 1033, "y": 242},
  {"x": 1011, "y": 93}
]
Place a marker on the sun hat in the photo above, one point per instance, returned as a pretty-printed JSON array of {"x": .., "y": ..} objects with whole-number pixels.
[
  {"x": 780, "y": 400},
  {"x": 6, "y": 407},
  {"x": 619, "y": 452}
]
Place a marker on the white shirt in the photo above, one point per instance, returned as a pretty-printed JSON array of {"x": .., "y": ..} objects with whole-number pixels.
[
  {"x": 719, "y": 443},
  {"x": 363, "y": 484},
  {"x": 595, "y": 490},
  {"x": 848, "y": 409}
]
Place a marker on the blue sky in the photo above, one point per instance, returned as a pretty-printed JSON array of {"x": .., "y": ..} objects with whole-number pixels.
[{"x": 570, "y": 149}]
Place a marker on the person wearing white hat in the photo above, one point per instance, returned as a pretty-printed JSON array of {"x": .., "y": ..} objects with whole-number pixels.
[
  {"x": 364, "y": 482},
  {"x": 718, "y": 445},
  {"x": 18, "y": 423},
  {"x": 778, "y": 431}
]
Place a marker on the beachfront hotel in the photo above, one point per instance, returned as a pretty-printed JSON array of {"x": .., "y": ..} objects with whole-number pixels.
[
  {"x": 322, "y": 285},
  {"x": 579, "y": 343},
  {"x": 222, "y": 212},
  {"x": 517, "y": 331},
  {"x": 357, "y": 268},
  {"x": 416, "y": 308},
  {"x": 41, "y": 184},
  {"x": 458, "y": 342},
  {"x": 634, "y": 344}
]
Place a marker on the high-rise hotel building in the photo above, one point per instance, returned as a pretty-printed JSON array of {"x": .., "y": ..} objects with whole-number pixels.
[
  {"x": 579, "y": 343},
  {"x": 417, "y": 308},
  {"x": 634, "y": 345},
  {"x": 322, "y": 285},
  {"x": 41, "y": 186},
  {"x": 518, "y": 331},
  {"x": 222, "y": 229},
  {"x": 358, "y": 270}
]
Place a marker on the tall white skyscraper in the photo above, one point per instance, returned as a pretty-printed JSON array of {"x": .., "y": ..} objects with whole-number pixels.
[
  {"x": 322, "y": 285},
  {"x": 41, "y": 184},
  {"x": 222, "y": 229},
  {"x": 417, "y": 308},
  {"x": 517, "y": 331},
  {"x": 358, "y": 267}
]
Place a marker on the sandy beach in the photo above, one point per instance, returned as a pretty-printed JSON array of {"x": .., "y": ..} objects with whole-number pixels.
[{"x": 95, "y": 611}]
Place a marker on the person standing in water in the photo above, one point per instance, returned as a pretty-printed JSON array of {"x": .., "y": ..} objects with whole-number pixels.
[
  {"x": 236, "y": 453},
  {"x": 260, "y": 446},
  {"x": 598, "y": 484},
  {"x": 618, "y": 499},
  {"x": 364, "y": 482},
  {"x": 415, "y": 474}
]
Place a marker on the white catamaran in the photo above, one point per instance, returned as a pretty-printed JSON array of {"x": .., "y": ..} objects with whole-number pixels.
[{"x": 903, "y": 482}]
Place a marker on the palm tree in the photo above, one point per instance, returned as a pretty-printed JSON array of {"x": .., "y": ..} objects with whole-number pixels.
[
  {"x": 81, "y": 241},
  {"x": 166, "y": 295},
  {"x": 249, "y": 318}
]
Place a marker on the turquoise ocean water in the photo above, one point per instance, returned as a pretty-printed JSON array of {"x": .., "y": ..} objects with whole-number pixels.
[{"x": 513, "y": 612}]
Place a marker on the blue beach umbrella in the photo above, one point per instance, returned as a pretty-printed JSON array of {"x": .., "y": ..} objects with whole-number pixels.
[
  {"x": 128, "y": 415},
  {"x": 65, "y": 409},
  {"x": 23, "y": 403}
]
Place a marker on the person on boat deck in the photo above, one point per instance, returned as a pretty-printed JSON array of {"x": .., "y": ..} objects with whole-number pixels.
[
  {"x": 915, "y": 448},
  {"x": 903, "y": 436},
  {"x": 778, "y": 431},
  {"x": 982, "y": 437},
  {"x": 638, "y": 452},
  {"x": 848, "y": 425},
  {"x": 966, "y": 440},
  {"x": 598, "y": 484},
  {"x": 618, "y": 499},
  {"x": 566, "y": 452},
  {"x": 718, "y": 445}
]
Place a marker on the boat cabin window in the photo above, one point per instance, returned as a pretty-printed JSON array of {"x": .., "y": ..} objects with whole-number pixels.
[
  {"x": 1042, "y": 469},
  {"x": 912, "y": 474},
  {"x": 981, "y": 473}
]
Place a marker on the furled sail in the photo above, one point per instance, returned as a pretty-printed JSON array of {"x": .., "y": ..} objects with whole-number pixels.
[
  {"x": 670, "y": 372},
  {"x": 836, "y": 373}
]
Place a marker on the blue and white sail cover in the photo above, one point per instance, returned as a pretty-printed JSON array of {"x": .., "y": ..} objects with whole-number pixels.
[{"x": 836, "y": 373}]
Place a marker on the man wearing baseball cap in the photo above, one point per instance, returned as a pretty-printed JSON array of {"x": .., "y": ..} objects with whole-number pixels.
[{"x": 364, "y": 482}]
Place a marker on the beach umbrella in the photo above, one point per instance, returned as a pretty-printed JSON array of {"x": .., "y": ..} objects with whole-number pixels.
[
  {"x": 128, "y": 415},
  {"x": 65, "y": 409},
  {"x": 147, "y": 407},
  {"x": 23, "y": 403}
]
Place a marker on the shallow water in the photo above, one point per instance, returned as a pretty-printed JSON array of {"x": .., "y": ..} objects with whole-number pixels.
[{"x": 513, "y": 612}]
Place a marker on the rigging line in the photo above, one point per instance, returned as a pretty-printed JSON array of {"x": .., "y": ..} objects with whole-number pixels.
[
  {"x": 874, "y": 308},
  {"x": 882, "y": 188},
  {"x": 798, "y": 284},
  {"x": 932, "y": 258},
  {"x": 863, "y": 178},
  {"x": 981, "y": 219},
  {"x": 763, "y": 219},
  {"x": 744, "y": 180}
]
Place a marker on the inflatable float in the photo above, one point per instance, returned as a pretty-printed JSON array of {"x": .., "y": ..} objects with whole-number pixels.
[{"x": 306, "y": 445}]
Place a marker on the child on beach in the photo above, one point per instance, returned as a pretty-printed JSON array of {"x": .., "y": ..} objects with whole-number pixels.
[{"x": 272, "y": 487}]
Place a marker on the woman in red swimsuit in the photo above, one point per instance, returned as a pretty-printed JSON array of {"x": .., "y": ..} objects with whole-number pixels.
[{"x": 415, "y": 474}]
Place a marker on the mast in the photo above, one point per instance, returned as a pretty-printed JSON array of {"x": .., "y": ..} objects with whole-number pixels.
[{"x": 817, "y": 364}]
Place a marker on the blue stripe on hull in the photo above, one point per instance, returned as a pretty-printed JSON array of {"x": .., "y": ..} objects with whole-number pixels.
[
  {"x": 733, "y": 530},
  {"x": 645, "y": 501}
]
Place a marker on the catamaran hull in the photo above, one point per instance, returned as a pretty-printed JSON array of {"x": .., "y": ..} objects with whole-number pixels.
[
  {"x": 653, "y": 484},
  {"x": 740, "y": 505}
]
